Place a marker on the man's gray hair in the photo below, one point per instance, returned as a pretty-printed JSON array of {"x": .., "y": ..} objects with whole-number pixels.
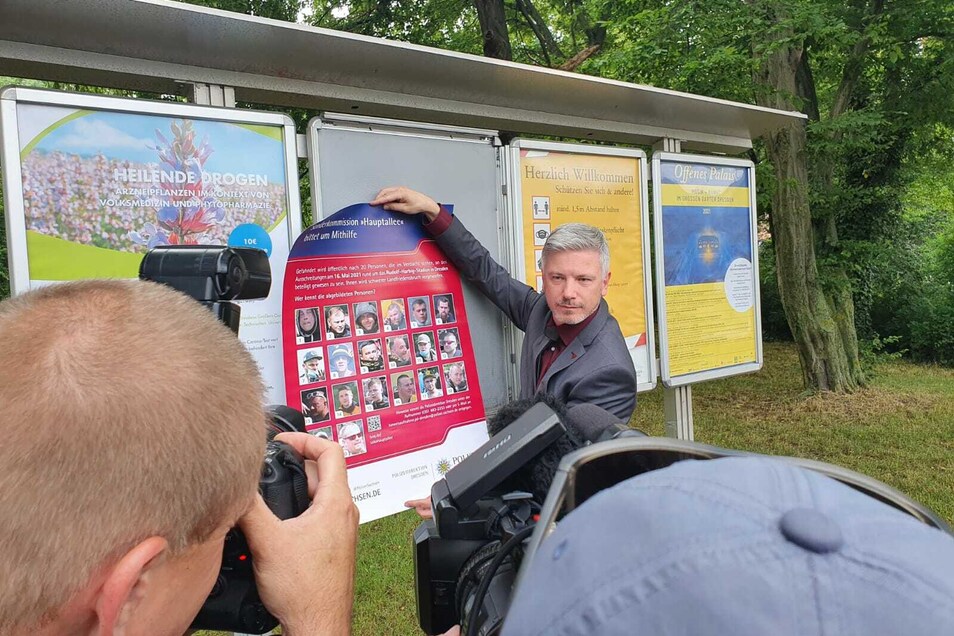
[{"x": 577, "y": 237}]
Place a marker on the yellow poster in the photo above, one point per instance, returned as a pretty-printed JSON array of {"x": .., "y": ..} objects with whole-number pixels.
[
  {"x": 605, "y": 191},
  {"x": 707, "y": 260}
]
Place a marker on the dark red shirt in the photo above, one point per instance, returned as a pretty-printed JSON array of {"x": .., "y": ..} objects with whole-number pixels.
[{"x": 560, "y": 338}]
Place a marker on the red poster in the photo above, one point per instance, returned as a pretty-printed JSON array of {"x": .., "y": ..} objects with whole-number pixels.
[{"x": 378, "y": 354}]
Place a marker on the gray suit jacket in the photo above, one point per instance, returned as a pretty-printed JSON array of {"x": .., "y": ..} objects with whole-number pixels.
[{"x": 595, "y": 368}]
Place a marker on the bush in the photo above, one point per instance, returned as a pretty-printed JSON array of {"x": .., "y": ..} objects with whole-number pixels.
[{"x": 911, "y": 288}]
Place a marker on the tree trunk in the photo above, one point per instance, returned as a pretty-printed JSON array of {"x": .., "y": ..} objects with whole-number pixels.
[
  {"x": 822, "y": 321},
  {"x": 493, "y": 28},
  {"x": 540, "y": 29}
]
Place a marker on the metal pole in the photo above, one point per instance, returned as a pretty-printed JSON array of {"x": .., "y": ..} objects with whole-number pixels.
[{"x": 677, "y": 401}]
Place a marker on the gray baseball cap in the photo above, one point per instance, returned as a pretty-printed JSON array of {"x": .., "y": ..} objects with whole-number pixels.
[
  {"x": 341, "y": 353},
  {"x": 365, "y": 308},
  {"x": 349, "y": 429},
  {"x": 743, "y": 546}
]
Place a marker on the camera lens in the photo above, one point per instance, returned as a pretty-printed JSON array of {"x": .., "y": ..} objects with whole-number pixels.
[{"x": 235, "y": 276}]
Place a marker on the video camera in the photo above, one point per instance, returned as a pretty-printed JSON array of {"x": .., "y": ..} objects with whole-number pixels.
[
  {"x": 215, "y": 276},
  {"x": 466, "y": 557}
]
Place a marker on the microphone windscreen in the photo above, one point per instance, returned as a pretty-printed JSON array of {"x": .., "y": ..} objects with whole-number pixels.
[
  {"x": 537, "y": 474},
  {"x": 590, "y": 421}
]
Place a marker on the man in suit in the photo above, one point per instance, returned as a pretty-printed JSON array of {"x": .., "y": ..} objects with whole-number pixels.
[{"x": 573, "y": 348}]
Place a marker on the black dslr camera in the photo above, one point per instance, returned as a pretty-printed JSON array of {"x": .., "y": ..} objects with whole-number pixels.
[
  {"x": 466, "y": 558},
  {"x": 215, "y": 276}
]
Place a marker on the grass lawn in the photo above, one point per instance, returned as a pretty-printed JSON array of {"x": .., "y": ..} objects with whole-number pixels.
[{"x": 899, "y": 430}]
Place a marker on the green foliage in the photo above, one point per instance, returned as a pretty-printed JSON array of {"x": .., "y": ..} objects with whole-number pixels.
[
  {"x": 447, "y": 24},
  {"x": 931, "y": 319},
  {"x": 904, "y": 282},
  {"x": 908, "y": 291},
  {"x": 942, "y": 249},
  {"x": 680, "y": 46},
  {"x": 287, "y": 10}
]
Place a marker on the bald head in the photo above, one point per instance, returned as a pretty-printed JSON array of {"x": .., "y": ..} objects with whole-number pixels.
[{"x": 129, "y": 411}]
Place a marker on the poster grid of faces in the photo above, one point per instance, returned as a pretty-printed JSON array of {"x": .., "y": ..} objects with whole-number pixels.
[{"x": 357, "y": 360}]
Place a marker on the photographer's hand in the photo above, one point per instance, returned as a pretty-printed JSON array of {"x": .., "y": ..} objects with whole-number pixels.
[{"x": 304, "y": 567}]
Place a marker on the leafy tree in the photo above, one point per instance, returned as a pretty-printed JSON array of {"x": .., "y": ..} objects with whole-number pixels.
[
  {"x": 559, "y": 34},
  {"x": 287, "y": 10},
  {"x": 868, "y": 74}
]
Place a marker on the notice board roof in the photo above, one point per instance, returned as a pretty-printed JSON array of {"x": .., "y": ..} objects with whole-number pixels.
[{"x": 156, "y": 45}]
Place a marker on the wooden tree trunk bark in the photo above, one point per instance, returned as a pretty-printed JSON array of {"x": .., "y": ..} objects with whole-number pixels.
[
  {"x": 822, "y": 323},
  {"x": 493, "y": 28}
]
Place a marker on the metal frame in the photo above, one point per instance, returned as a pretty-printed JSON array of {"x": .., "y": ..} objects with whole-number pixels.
[
  {"x": 515, "y": 215},
  {"x": 421, "y": 130},
  {"x": 723, "y": 372},
  {"x": 10, "y": 148},
  {"x": 378, "y": 125}
]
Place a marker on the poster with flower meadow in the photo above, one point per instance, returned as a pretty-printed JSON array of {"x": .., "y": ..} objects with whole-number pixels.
[{"x": 97, "y": 181}]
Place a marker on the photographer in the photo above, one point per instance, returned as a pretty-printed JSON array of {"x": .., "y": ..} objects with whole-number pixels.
[{"x": 116, "y": 498}]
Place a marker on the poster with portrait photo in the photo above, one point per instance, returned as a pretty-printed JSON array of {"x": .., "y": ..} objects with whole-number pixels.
[
  {"x": 399, "y": 352},
  {"x": 323, "y": 432},
  {"x": 351, "y": 438},
  {"x": 387, "y": 264},
  {"x": 424, "y": 348},
  {"x": 449, "y": 342},
  {"x": 366, "y": 320},
  {"x": 420, "y": 311},
  {"x": 308, "y": 325},
  {"x": 455, "y": 376},
  {"x": 312, "y": 365},
  {"x": 315, "y": 405},
  {"x": 429, "y": 382},
  {"x": 403, "y": 388},
  {"x": 376, "y": 393},
  {"x": 340, "y": 360},
  {"x": 337, "y": 322},
  {"x": 444, "y": 309},
  {"x": 395, "y": 317},
  {"x": 346, "y": 399},
  {"x": 370, "y": 355}
]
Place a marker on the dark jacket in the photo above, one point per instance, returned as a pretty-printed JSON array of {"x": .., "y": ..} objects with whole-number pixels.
[{"x": 596, "y": 368}]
